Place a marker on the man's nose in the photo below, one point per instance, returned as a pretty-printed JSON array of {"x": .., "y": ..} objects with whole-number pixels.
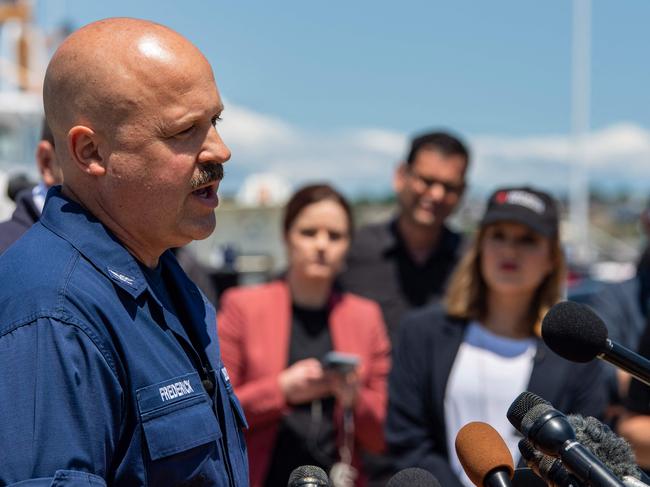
[
  {"x": 437, "y": 191},
  {"x": 214, "y": 148}
]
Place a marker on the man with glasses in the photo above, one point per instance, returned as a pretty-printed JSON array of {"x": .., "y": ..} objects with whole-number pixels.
[{"x": 404, "y": 263}]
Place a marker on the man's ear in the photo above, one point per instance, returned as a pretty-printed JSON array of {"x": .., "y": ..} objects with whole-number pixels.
[
  {"x": 46, "y": 162},
  {"x": 83, "y": 146},
  {"x": 399, "y": 177}
]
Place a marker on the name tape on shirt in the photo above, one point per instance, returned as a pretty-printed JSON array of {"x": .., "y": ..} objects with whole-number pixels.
[{"x": 170, "y": 391}]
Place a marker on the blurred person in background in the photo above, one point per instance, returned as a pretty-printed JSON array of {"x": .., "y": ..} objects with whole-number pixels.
[
  {"x": 17, "y": 183},
  {"x": 404, "y": 263},
  {"x": 30, "y": 200},
  {"x": 643, "y": 267},
  {"x": 274, "y": 335},
  {"x": 468, "y": 359},
  {"x": 623, "y": 307},
  {"x": 634, "y": 423}
]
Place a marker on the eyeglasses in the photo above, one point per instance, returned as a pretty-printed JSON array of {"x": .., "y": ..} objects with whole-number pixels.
[{"x": 423, "y": 183}]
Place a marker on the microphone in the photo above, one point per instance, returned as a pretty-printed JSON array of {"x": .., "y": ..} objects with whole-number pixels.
[
  {"x": 484, "y": 455},
  {"x": 413, "y": 477},
  {"x": 548, "y": 468},
  {"x": 550, "y": 432},
  {"x": 614, "y": 451},
  {"x": 574, "y": 331},
  {"x": 308, "y": 476},
  {"x": 633, "y": 482}
]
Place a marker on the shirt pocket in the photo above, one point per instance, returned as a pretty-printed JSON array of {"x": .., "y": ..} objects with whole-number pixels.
[
  {"x": 180, "y": 431},
  {"x": 180, "y": 427}
]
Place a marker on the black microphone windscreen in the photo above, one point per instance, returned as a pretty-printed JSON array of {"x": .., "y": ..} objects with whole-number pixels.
[
  {"x": 615, "y": 452},
  {"x": 528, "y": 451},
  {"x": 533, "y": 415},
  {"x": 308, "y": 475},
  {"x": 574, "y": 331},
  {"x": 413, "y": 477},
  {"x": 546, "y": 463},
  {"x": 520, "y": 407}
]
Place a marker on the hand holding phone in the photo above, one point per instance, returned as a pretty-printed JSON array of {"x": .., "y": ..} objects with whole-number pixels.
[
  {"x": 340, "y": 362},
  {"x": 304, "y": 381},
  {"x": 343, "y": 377}
]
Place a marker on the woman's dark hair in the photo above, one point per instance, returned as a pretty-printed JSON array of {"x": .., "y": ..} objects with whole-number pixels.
[{"x": 310, "y": 194}]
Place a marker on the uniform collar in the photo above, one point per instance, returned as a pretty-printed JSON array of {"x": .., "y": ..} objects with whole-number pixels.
[{"x": 93, "y": 240}]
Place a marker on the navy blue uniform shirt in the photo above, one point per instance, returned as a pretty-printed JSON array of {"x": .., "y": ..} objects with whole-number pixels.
[{"x": 101, "y": 383}]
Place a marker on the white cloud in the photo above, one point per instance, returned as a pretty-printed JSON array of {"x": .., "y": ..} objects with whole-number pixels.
[
  {"x": 254, "y": 131},
  {"x": 380, "y": 141},
  {"x": 357, "y": 161},
  {"x": 617, "y": 155},
  {"x": 617, "y": 142},
  {"x": 362, "y": 160}
]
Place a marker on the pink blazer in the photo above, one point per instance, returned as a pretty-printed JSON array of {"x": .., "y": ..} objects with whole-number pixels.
[{"x": 254, "y": 325}]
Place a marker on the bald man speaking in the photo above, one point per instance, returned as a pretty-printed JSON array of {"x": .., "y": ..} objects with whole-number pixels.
[{"x": 110, "y": 371}]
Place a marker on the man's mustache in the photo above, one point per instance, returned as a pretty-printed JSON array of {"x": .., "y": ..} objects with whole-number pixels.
[{"x": 208, "y": 173}]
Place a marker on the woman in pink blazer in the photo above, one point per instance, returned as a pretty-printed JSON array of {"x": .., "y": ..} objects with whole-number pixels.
[{"x": 274, "y": 336}]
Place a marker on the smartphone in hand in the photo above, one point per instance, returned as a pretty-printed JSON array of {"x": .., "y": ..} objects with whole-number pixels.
[{"x": 340, "y": 362}]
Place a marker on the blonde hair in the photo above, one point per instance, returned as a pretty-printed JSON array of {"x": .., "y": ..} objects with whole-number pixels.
[{"x": 466, "y": 295}]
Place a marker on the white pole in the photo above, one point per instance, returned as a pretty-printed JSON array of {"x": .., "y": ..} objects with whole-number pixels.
[{"x": 580, "y": 96}]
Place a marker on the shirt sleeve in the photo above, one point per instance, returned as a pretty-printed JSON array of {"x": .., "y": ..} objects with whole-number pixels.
[{"x": 61, "y": 406}]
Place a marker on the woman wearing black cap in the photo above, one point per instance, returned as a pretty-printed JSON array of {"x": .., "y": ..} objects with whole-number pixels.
[{"x": 467, "y": 360}]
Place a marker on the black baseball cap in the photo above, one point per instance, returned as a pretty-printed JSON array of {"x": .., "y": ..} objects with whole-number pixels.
[{"x": 524, "y": 205}]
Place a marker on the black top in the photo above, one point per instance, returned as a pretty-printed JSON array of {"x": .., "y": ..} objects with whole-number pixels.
[
  {"x": 304, "y": 438},
  {"x": 380, "y": 268},
  {"x": 638, "y": 396},
  {"x": 23, "y": 217}
]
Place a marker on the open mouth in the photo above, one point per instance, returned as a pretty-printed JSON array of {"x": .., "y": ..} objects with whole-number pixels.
[
  {"x": 207, "y": 195},
  {"x": 206, "y": 192}
]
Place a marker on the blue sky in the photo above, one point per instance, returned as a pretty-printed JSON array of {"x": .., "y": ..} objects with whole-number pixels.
[{"x": 333, "y": 89}]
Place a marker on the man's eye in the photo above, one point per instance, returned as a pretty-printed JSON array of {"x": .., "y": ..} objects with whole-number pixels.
[
  {"x": 186, "y": 131},
  {"x": 216, "y": 120}
]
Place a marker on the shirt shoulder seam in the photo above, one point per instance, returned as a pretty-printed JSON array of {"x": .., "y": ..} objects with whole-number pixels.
[{"x": 60, "y": 317}]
